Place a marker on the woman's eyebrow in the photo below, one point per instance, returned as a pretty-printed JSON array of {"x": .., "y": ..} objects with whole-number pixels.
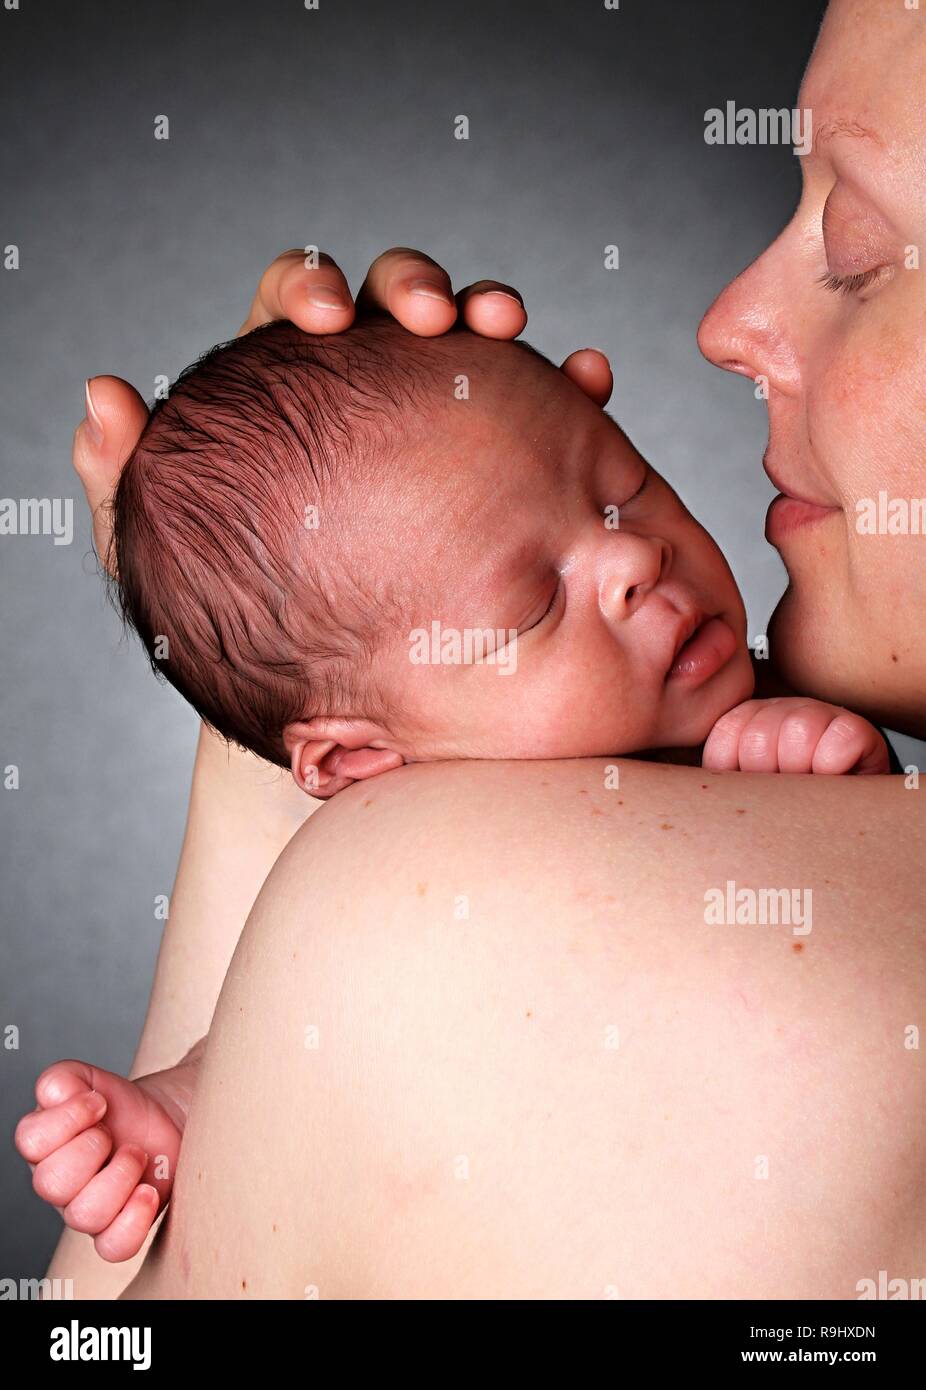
[{"x": 852, "y": 130}]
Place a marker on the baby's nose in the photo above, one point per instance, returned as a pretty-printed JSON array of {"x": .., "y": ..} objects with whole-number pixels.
[{"x": 633, "y": 569}]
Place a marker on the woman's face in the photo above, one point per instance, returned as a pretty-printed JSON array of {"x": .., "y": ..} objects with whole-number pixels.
[{"x": 833, "y": 314}]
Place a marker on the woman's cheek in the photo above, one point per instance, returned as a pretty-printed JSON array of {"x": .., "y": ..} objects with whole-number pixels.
[{"x": 867, "y": 412}]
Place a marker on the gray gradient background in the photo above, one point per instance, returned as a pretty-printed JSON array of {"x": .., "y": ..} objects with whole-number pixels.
[{"x": 335, "y": 128}]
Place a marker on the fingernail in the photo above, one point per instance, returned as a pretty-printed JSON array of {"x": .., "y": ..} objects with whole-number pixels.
[
  {"x": 500, "y": 294},
  {"x": 97, "y": 1103},
  {"x": 429, "y": 289},
  {"x": 325, "y": 297},
  {"x": 94, "y": 423}
]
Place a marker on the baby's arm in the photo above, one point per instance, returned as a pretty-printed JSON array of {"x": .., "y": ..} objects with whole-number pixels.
[
  {"x": 794, "y": 735},
  {"x": 242, "y": 815},
  {"x": 88, "y": 1118}
]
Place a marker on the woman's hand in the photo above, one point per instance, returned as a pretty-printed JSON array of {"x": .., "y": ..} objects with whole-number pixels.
[{"x": 404, "y": 283}]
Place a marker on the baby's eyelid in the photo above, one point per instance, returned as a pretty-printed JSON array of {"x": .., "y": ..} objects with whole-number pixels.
[
  {"x": 643, "y": 481},
  {"x": 550, "y": 606}
]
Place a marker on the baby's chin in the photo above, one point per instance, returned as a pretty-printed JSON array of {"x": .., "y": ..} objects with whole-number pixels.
[{"x": 689, "y": 716}]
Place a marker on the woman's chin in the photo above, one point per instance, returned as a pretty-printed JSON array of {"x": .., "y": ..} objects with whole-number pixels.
[{"x": 816, "y": 655}]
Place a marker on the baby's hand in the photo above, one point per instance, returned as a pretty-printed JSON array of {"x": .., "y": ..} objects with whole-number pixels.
[
  {"x": 794, "y": 735},
  {"x": 68, "y": 1143}
]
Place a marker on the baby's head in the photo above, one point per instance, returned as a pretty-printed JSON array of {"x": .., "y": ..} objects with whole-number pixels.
[{"x": 350, "y": 552}]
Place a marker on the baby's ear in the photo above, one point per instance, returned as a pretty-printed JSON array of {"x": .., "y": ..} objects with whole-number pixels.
[{"x": 327, "y": 755}]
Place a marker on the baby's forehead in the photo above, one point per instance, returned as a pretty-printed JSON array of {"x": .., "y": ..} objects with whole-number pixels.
[
  {"x": 483, "y": 390},
  {"x": 514, "y": 424}
]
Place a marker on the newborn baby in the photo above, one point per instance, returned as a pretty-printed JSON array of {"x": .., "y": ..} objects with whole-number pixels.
[{"x": 348, "y": 553}]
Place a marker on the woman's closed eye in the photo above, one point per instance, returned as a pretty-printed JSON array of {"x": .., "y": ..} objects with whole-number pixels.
[
  {"x": 857, "y": 283},
  {"x": 854, "y": 234}
]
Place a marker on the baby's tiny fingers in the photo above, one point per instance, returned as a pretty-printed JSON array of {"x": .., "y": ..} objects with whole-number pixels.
[
  {"x": 44, "y": 1131},
  {"x": 62, "y": 1081},
  {"x": 60, "y": 1177},
  {"x": 98, "y": 1204},
  {"x": 850, "y": 743},
  {"x": 128, "y": 1232},
  {"x": 799, "y": 736},
  {"x": 721, "y": 751}
]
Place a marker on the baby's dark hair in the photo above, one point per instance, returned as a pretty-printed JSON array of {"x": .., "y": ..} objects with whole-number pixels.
[{"x": 219, "y": 569}]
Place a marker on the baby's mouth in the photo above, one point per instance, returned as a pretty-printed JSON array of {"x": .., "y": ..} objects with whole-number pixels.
[
  {"x": 703, "y": 652},
  {"x": 687, "y": 630}
]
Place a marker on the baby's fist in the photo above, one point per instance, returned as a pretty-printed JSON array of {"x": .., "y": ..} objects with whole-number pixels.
[
  {"x": 794, "y": 735},
  {"x": 88, "y": 1144}
]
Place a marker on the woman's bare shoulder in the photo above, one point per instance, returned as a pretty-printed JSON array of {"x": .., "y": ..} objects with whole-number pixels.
[
  {"x": 465, "y": 984},
  {"x": 547, "y": 823}
]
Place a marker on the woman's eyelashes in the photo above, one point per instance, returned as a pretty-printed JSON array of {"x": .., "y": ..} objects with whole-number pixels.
[{"x": 855, "y": 284}]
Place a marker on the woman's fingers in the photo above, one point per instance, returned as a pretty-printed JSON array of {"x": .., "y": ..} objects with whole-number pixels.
[
  {"x": 591, "y": 372},
  {"x": 412, "y": 288},
  {"x": 104, "y": 439},
  {"x": 307, "y": 289},
  {"x": 98, "y": 1204},
  {"x": 126, "y": 1235},
  {"x": 492, "y": 309},
  {"x": 417, "y": 292},
  {"x": 41, "y": 1133}
]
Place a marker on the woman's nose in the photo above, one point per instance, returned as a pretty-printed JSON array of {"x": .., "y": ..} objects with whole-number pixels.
[
  {"x": 632, "y": 568},
  {"x": 752, "y": 325}
]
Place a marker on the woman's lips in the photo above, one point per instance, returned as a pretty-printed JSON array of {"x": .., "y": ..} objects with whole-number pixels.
[
  {"x": 707, "y": 650},
  {"x": 789, "y": 514}
]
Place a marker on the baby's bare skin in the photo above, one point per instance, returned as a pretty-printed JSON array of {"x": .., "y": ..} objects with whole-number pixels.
[{"x": 104, "y": 1149}]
